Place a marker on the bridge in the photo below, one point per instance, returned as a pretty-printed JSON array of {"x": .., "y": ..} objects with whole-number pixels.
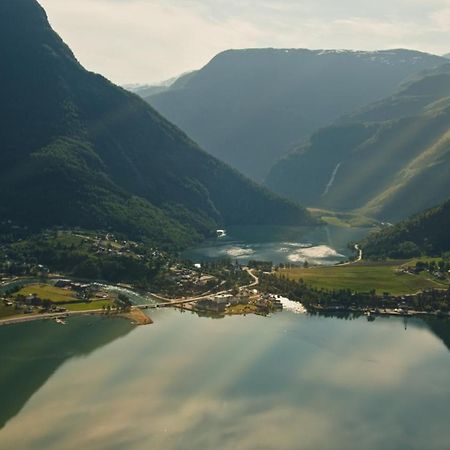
[
  {"x": 167, "y": 303},
  {"x": 163, "y": 303},
  {"x": 170, "y": 303}
]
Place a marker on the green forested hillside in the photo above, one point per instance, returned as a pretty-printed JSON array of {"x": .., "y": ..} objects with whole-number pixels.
[
  {"x": 75, "y": 150},
  {"x": 427, "y": 233},
  {"x": 388, "y": 161},
  {"x": 250, "y": 107}
]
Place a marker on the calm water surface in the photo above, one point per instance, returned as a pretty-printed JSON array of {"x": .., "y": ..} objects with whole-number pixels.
[
  {"x": 317, "y": 245},
  {"x": 284, "y": 382}
]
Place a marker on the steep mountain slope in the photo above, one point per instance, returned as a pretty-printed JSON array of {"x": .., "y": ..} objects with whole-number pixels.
[
  {"x": 389, "y": 160},
  {"x": 415, "y": 97},
  {"x": 426, "y": 232},
  {"x": 249, "y": 107},
  {"x": 77, "y": 150}
]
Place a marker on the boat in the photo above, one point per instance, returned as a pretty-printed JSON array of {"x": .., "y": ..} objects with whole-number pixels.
[{"x": 221, "y": 233}]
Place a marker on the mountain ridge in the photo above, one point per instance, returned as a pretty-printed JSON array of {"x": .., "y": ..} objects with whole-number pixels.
[
  {"x": 79, "y": 151},
  {"x": 250, "y": 107}
]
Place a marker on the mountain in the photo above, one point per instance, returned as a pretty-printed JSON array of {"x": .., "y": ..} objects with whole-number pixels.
[
  {"x": 76, "y": 150},
  {"x": 413, "y": 98},
  {"x": 388, "y": 160},
  {"x": 250, "y": 107},
  {"x": 144, "y": 90},
  {"x": 447, "y": 56},
  {"x": 426, "y": 232}
]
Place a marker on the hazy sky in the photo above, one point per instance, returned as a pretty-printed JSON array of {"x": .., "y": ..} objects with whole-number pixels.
[{"x": 140, "y": 41}]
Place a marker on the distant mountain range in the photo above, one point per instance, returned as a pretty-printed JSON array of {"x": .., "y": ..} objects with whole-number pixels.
[
  {"x": 146, "y": 90},
  {"x": 250, "y": 107},
  {"x": 388, "y": 160},
  {"x": 78, "y": 151},
  {"x": 427, "y": 232}
]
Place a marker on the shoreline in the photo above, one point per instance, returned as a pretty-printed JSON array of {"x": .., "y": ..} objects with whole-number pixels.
[
  {"x": 137, "y": 316},
  {"x": 374, "y": 312}
]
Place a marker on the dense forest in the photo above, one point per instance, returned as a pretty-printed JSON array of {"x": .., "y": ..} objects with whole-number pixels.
[
  {"x": 78, "y": 151},
  {"x": 425, "y": 233},
  {"x": 83, "y": 255}
]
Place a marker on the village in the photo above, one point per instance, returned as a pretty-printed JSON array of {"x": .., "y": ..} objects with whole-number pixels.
[
  {"x": 215, "y": 290},
  {"x": 55, "y": 296},
  {"x": 246, "y": 302}
]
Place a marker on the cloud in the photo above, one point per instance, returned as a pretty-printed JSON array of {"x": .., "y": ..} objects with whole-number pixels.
[
  {"x": 303, "y": 383},
  {"x": 152, "y": 40}
]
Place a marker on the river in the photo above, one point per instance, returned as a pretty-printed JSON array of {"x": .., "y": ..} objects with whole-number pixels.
[
  {"x": 289, "y": 381},
  {"x": 317, "y": 245}
]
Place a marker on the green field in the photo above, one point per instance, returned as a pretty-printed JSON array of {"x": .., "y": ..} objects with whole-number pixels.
[
  {"x": 49, "y": 292},
  {"x": 54, "y": 294},
  {"x": 344, "y": 220},
  {"x": 364, "y": 277},
  {"x": 7, "y": 311}
]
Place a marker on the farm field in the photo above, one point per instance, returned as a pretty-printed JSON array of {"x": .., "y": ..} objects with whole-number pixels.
[
  {"x": 49, "y": 292},
  {"x": 364, "y": 277}
]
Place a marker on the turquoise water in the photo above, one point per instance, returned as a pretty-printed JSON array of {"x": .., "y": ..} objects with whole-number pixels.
[
  {"x": 317, "y": 245},
  {"x": 249, "y": 383}
]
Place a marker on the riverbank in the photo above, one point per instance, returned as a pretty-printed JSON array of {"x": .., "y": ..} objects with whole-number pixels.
[
  {"x": 136, "y": 316},
  {"x": 389, "y": 312}
]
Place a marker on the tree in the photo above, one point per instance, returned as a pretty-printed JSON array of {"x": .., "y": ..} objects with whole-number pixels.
[{"x": 124, "y": 302}]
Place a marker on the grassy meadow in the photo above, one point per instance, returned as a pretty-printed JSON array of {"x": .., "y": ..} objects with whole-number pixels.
[
  {"x": 96, "y": 304},
  {"x": 7, "y": 311},
  {"x": 49, "y": 292},
  {"x": 364, "y": 277}
]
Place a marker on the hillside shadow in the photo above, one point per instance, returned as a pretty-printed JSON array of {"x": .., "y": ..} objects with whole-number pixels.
[{"x": 31, "y": 353}]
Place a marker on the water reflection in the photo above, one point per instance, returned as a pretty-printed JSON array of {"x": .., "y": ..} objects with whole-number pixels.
[
  {"x": 31, "y": 353},
  {"x": 285, "y": 382},
  {"x": 441, "y": 328}
]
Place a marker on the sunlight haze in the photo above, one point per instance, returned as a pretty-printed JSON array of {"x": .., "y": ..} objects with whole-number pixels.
[{"x": 146, "y": 41}]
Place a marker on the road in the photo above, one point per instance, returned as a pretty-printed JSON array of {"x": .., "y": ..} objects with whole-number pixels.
[
  {"x": 183, "y": 301},
  {"x": 209, "y": 293},
  {"x": 358, "y": 259},
  {"x": 360, "y": 253},
  {"x": 255, "y": 280},
  {"x": 48, "y": 316}
]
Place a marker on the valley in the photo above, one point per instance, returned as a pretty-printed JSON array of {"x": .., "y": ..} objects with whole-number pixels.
[
  {"x": 385, "y": 153},
  {"x": 252, "y": 255},
  {"x": 250, "y": 107}
]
